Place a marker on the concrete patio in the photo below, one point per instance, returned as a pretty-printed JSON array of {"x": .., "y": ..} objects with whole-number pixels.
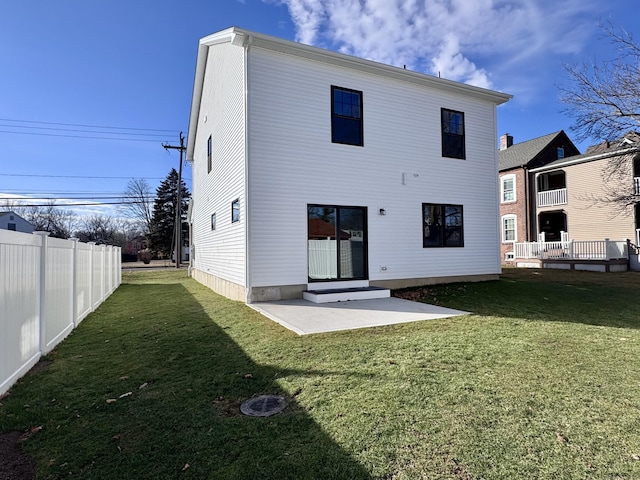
[{"x": 304, "y": 317}]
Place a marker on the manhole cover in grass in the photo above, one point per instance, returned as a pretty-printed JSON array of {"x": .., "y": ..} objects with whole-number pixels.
[{"x": 263, "y": 406}]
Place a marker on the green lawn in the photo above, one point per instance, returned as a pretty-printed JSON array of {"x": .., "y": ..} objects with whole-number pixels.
[{"x": 541, "y": 382}]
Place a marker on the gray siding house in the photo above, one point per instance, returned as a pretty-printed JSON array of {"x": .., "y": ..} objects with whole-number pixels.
[{"x": 13, "y": 221}]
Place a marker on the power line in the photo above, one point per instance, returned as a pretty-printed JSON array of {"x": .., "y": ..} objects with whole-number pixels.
[
  {"x": 80, "y": 136},
  {"x": 75, "y": 176},
  {"x": 69, "y": 197},
  {"x": 87, "y": 126},
  {"x": 73, "y": 205},
  {"x": 163, "y": 135}
]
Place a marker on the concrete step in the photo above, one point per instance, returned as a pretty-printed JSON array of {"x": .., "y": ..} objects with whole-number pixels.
[{"x": 345, "y": 294}]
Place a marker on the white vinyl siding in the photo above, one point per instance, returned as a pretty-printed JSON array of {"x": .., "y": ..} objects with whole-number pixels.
[
  {"x": 294, "y": 163},
  {"x": 221, "y": 252}
]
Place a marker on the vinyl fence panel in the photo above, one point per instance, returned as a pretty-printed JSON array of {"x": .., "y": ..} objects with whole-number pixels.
[
  {"x": 83, "y": 280},
  {"x": 58, "y": 295},
  {"x": 47, "y": 286},
  {"x": 19, "y": 305}
]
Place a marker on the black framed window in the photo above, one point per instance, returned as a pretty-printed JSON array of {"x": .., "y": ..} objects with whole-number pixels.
[
  {"x": 213, "y": 221},
  {"x": 346, "y": 116},
  {"x": 453, "y": 144},
  {"x": 235, "y": 210},
  {"x": 209, "y": 152},
  {"x": 442, "y": 225}
]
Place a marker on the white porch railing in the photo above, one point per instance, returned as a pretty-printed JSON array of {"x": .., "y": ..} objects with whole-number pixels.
[
  {"x": 636, "y": 185},
  {"x": 573, "y": 250},
  {"x": 552, "y": 197}
]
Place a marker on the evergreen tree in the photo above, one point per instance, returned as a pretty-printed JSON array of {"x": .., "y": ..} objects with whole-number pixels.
[{"x": 162, "y": 237}]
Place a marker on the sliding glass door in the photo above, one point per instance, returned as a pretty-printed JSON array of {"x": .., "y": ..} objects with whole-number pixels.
[{"x": 337, "y": 242}]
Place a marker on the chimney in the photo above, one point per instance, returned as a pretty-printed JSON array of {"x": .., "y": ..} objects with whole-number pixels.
[{"x": 506, "y": 141}]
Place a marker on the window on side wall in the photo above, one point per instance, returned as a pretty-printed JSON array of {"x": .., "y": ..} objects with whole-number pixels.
[
  {"x": 346, "y": 116},
  {"x": 442, "y": 225},
  {"x": 213, "y": 221},
  {"x": 509, "y": 229},
  {"x": 453, "y": 144},
  {"x": 508, "y": 188},
  {"x": 209, "y": 153},
  {"x": 560, "y": 152},
  {"x": 235, "y": 211}
]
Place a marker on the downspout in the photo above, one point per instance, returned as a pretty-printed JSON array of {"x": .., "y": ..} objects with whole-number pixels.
[
  {"x": 496, "y": 189},
  {"x": 247, "y": 203},
  {"x": 527, "y": 213}
]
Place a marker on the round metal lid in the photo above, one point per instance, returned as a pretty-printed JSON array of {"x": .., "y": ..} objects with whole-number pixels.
[{"x": 263, "y": 405}]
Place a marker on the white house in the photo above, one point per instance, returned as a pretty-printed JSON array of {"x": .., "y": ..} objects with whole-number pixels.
[
  {"x": 317, "y": 170},
  {"x": 13, "y": 221}
]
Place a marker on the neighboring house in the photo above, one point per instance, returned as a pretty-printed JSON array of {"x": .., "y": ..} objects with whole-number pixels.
[
  {"x": 572, "y": 193},
  {"x": 13, "y": 221},
  {"x": 317, "y": 170},
  {"x": 517, "y": 190}
]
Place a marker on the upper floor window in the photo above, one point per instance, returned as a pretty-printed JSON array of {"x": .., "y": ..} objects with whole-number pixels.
[
  {"x": 442, "y": 225},
  {"x": 346, "y": 116},
  {"x": 213, "y": 221},
  {"x": 508, "y": 188},
  {"x": 452, "y": 134},
  {"x": 560, "y": 152},
  {"x": 11, "y": 226},
  {"x": 509, "y": 229},
  {"x": 235, "y": 210},
  {"x": 209, "y": 153}
]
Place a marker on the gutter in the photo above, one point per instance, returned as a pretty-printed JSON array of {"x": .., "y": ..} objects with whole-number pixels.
[{"x": 585, "y": 159}]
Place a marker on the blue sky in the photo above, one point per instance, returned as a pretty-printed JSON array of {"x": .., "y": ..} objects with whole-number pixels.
[{"x": 73, "y": 69}]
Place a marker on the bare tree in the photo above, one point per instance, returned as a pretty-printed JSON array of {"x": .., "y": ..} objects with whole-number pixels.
[
  {"x": 604, "y": 98},
  {"x": 139, "y": 200},
  {"x": 50, "y": 218},
  {"x": 98, "y": 228}
]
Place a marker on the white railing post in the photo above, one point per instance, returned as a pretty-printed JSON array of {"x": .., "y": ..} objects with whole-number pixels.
[
  {"x": 606, "y": 249},
  {"x": 571, "y": 249},
  {"x": 43, "y": 288}
]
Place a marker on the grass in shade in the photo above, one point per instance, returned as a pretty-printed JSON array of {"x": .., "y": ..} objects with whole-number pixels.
[{"x": 541, "y": 381}]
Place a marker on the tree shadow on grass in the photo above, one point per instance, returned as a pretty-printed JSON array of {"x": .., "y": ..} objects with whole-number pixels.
[
  {"x": 603, "y": 299},
  {"x": 150, "y": 387}
]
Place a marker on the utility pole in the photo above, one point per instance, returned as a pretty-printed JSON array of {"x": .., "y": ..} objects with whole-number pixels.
[{"x": 178, "y": 221}]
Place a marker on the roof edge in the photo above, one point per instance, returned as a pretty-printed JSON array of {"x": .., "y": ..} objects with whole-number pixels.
[{"x": 577, "y": 159}]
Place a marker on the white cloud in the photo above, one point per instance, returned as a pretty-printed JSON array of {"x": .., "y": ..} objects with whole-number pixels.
[{"x": 464, "y": 40}]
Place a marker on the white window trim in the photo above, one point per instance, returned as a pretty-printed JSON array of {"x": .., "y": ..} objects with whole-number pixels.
[
  {"x": 515, "y": 227},
  {"x": 502, "y": 180}
]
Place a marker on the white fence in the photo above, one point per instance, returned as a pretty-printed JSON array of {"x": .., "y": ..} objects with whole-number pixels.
[
  {"x": 573, "y": 250},
  {"x": 47, "y": 286}
]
